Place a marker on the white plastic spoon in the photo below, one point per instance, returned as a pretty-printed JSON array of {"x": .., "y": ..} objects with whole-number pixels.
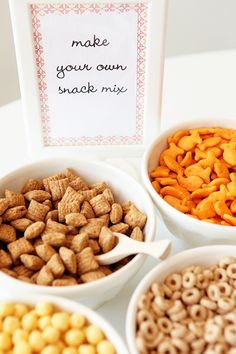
[{"x": 126, "y": 246}]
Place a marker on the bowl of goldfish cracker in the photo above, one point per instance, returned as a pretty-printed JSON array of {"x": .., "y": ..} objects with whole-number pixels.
[
  {"x": 190, "y": 173},
  {"x": 186, "y": 304},
  {"x": 54, "y": 325}
]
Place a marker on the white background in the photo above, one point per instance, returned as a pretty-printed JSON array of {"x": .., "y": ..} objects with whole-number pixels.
[
  {"x": 72, "y": 115},
  {"x": 193, "y": 26}
]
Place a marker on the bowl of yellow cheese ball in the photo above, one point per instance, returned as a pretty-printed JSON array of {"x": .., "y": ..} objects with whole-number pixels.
[{"x": 54, "y": 325}]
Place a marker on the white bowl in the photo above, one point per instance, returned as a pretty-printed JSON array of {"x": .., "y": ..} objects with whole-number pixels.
[
  {"x": 192, "y": 231},
  {"x": 124, "y": 187},
  {"x": 197, "y": 256},
  {"x": 73, "y": 307}
]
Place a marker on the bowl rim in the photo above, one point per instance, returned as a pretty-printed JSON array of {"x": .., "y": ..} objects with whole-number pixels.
[
  {"x": 84, "y": 288},
  {"x": 92, "y": 316},
  {"x": 156, "y": 197},
  {"x": 148, "y": 279}
]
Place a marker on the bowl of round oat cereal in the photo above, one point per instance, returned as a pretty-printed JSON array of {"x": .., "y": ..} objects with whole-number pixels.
[
  {"x": 185, "y": 304},
  {"x": 57, "y": 215}
]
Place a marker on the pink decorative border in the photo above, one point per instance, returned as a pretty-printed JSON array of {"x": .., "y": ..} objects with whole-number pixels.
[{"x": 39, "y": 10}]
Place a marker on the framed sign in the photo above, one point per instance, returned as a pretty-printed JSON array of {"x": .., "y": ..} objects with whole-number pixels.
[{"x": 90, "y": 73}]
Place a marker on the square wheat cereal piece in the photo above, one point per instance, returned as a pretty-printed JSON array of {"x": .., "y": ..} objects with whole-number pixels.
[
  {"x": 21, "y": 270},
  {"x": 92, "y": 228},
  {"x": 67, "y": 208},
  {"x": 70, "y": 174},
  {"x": 58, "y": 188},
  {"x": 86, "y": 261},
  {"x": 120, "y": 227},
  {"x": 87, "y": 210},
  {"x": 92, "y": 276},
  {"x": 135, "y": 217},
  {"x": 4, "y": 205},
  {"x": 100, "y": 205},
  {"x": 31, "y": 185},
  {"x": 89, "y": 194},
  {"x": 65, "y": 281},
  {"x": 99, "y": 186},
  {"x": 5, "y": 259},
  {"x": 7, "y": 233},
  {"x": 45, "y": 276},
  {"x": 79, "y": 242},
  {"x": 37, "y": 211},
  {"x": 19, "y": 247},
  {"x": 21, "y": 224},
  {"x": 38, "y": 195},
  {"x": 52, "y": 178},
  {"x": 54, "y": 226},
  {"x": 14, "y": 198},
  {"x": 14, "y": 213},
  {"x": 79, "y": 184},
  {"x": 9, "y": 272},
  {"x": 71, "y": 196}
]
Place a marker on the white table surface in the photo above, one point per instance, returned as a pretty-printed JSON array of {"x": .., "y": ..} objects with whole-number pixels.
[{"x": 195, "y": 86}]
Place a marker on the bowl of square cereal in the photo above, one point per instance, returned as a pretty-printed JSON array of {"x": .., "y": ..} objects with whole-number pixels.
[
  {"x": 190, "y": 173},
  {"x": 54, "y": 325},
  {"x": 55, "y": 220},
  {"x": 186, "y": 304}
]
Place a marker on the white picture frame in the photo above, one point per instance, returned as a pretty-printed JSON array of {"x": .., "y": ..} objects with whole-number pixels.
[{"x": 24, "y": 16}]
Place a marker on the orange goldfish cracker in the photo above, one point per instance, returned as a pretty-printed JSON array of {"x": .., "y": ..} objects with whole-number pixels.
[
  {"x": 225, "y": 133},
  {"x": 219, "y": 195},
  {"x": 232, "y": 188},
  {"x": 212, "y": 221},
  {"x": 175, "y": 191},
  {"x": 229, "y": 154},
  {"x": 156, "y": 186},
  {"x": 191, "y": 183},
  {"x": 173, "y": 165},
  {"x": 230, "y": 219},
  {"x": 160, "y": 171},
  {"x": 166, "y": 181},
  {"x": 203, "y": 192},
  {"x": 173, "y": 151},
  {"x": 221, "y": 208},
  {"x": 204, "y": 209},
  {"x": 189, "y": 203},
  {"x": 176, "y": 203},
  {"x": 202, "y": 154},
  {"x": 210, "y": 142},
  {"x": 225, "y": 223},
  {"x": 196, "y": 170},
  {"x": 193, "y": 216},
  {"x": 188, "y": 143},
  {"x": 203, "y": 131},
  {"x": 208, "y": 161},
  {"x": 177, "y": 136},
  {"x": 179, "y": 159},
  {"x": 217, "y": 182},
  {"x": 187, "y": 160},
  {"x": 233, "y": 176},
  {"x": 221, "y": 170},
  {"x": 233, "y": 207}
]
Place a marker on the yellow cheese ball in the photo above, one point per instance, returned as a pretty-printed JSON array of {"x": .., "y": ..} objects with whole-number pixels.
[
  {"x": 94, "y": 334},
  {"x": 105, "y": 347}
]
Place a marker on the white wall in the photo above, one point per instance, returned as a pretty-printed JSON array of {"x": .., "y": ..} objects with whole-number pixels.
[
  {"x": 9, "y": 88},
  {"x": 200, "y": 25},
  {"x": 193, "y": 26}
]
